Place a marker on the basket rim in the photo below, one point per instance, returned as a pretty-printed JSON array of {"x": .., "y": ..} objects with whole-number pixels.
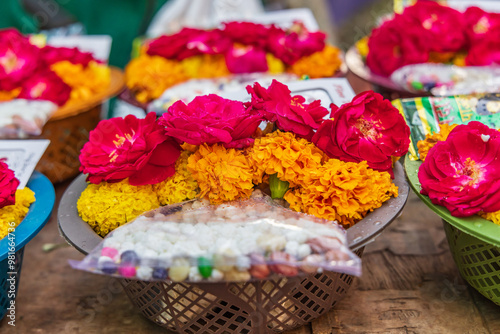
[
  {"x": 481, "y": 228},
  {"x": 38, "y": 215},
  {"x": 80, "y": 235}
]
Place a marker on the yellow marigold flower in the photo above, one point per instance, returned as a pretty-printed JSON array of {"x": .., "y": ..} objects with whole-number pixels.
[
  {"x": 492, "y": 216},
  {"x": 106, "y": 206},
  {"x": 430, "y": 140},
  {"x": 84, "y": 81},
  {"x": 342, "y": 191},
  {"x": 179, "y": 187},
  {"x": 285, "y": 154},
  {"x": 205, "y": 66},
  {"x": 149, "y": 76},
  {"x": 274, "y": 65},
  {"x": 222, "y": 174},
  {"x": 189, "y": 147},
  {"x": 7, "y": 95},
  {"x": 321, "y": 64},
  {"x": 459, "y": 59},
  {"x": 362, "y": 46},
  {"x": 16, "y": 213}
]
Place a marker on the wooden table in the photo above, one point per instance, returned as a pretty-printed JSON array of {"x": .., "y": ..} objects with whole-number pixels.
[{"x": 410, "y": 284}]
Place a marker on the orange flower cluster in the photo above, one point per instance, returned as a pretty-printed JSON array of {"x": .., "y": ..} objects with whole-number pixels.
[
  {"x": 324, "y": 63},
  {"x": 430, "y": 140},
  {"x": 342, "y": 191},
  {"x": 222, "y": 174}
]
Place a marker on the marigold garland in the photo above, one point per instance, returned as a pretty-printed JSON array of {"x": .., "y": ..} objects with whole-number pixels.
[
  {"x": 324, "y": 63},
  {"x": 106, "y": 206},
  {"x": 430, "y": 140},
  {"x": 285, "y": 154},
  {"x": 16, "y": 213},
  {"x": 179, "y": 187},
  {"x": 84, "y": 81},
  {"x": 342, "y": 191},
  {"x": 149, "y": 76},
  {"x": 205, "y": 66},
  {"x": 222, "y": 174}
]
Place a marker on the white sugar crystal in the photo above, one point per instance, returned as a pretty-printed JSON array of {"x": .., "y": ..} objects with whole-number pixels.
[
  {"x": 216, "y": 275},
  {"x": 485, "y": 138},
  {"x": 194, "y": 275},
  {"x": 292, "y": 247},
  {"x": 144, "y": 272},
  {"x": 303, "y": 251}
]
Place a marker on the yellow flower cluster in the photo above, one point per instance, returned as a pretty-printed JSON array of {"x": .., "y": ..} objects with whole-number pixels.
[
  {"x": 7, "y": 95},
  {"x": 205, "y": 66},
  {"x": 284, "y": 154},
  {"x": 15, "y": 213},
  {"x": 324, "y": 63},
  {"x": 222, "y": 174},
  {"x": 149, "y": 76},
  {"x": 179, "y": 187},
  {"x": 430, "y": 140},
  {"x": 106, "y": 206},
  {"x": 492, "y": 216},
  {"x": 342, "y": 191},
  {"x": 362, "y": 46},
  {"x": 84, "y": 81}
]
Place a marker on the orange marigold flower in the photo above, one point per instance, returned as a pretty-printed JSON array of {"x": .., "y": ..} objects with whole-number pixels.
[
  {"x": 285, "y": 154},
  {"x": 84, "y": 81},
  {"x": 205, "y": 66},
  {"x": 342, "y": 191},
  {"x": 7, "y": 95},
  {"x": 430, "y": 140},
  {"x": 320, "y": 64},
  {"x": 492, "y": 216},
  {"x": 222, "y": 174},
  {"x": 149, "y": 76}
]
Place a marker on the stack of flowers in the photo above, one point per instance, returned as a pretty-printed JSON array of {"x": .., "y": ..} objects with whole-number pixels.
[
  {"x": 239, "y": 47},
  {"x": 57, "y": 74},
  {"x": 213, "y": 149},
  {"x": 14, "y": 203},
  {"x": 431, "y": 32},
  {"x": 460, "y": 170}
]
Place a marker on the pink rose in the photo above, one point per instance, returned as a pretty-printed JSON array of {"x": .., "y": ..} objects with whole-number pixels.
[
  {"x": 463, "y": 172},
  {"x": 486, "y": 51},
  {"x": 51, "y": 55},
  {"x": 276, "y": 104},
  {"x": 45, "y": 85},
  {"x": 246, "y": 33},
  {"x": 8, "y": 185},
  {"x": 129, "y": 147},
  {"x": 479, "y": 23},
  {"x": 246, "y": 59},
  {"x": 368, "y": 128},
  {"x": 211, "y": 119}
]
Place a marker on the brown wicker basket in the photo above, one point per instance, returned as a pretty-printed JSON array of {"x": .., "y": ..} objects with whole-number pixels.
[
  {"x": 68, "y": 130},
  {"x": 265, "y": 306}
]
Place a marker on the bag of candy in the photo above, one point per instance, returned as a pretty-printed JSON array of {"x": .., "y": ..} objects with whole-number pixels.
[
  {"x": 21, "y": 118},
  {"x": 235, "y": 241}
]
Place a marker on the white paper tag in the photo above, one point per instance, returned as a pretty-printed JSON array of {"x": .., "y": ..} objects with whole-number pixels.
[
  {"x": 333, "y": 90},
  {"x": 22, "y": 156},
  {"x": 98, "y": 45}
]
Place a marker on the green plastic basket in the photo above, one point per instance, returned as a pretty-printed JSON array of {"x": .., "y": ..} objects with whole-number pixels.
[{"x": 474, "y": 242}]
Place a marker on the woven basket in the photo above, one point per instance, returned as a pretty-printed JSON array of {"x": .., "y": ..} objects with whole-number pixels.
[
  {"x": 474, "y": 243},
  {"x": 68, "y": 130},
  {"x": 264, "y": 306}
]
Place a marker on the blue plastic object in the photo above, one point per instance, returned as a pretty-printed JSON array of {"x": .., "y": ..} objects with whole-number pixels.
[{"x": 37, "y": 217}]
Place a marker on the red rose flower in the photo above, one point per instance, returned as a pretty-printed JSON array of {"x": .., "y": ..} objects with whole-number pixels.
[
  {"x": 479, "y": 23},
  {"x": 45, "y": 85},
  {"x": 486, "y": 51},
  {"x": 368, "y": 128},
  {"x": 463, "y": 172},
  {"x": 189, "y": 42},
  {"x": 392, "y": 46},
  {"x": 211, "y": 119},
  {"x": 19, "y": 59},
  {"x": 8, "y": 185},
  {"x": 276, "y": 104},
  {"x": 295, "y": 43},
  {"x": 246, "y": 59},
  {"x": 246, "y": 33},
  {"x": 440, "y": 27},
  {"x": 129, "y": 147},
  {"x": 51, "y": 55}
]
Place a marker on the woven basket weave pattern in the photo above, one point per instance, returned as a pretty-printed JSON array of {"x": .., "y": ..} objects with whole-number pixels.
[
  {"x": 477, "y": 261},
  {"x": 270, "y": 306}
]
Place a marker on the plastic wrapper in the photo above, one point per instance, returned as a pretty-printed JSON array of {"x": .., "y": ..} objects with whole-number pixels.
[
  {"x": 236, "y": 241},
  {"x": 424, "y": 114},
  {"x": 447, "y": 80},
  {"x": 21, "y": 118}
]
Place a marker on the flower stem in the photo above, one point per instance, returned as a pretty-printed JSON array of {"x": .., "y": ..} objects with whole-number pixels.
[{"x": 278, "y": 187}]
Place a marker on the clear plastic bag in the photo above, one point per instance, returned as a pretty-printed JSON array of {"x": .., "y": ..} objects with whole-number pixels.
[
  {"x": 236, "y": 241},
  {"x": 21, "y": 118}
]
